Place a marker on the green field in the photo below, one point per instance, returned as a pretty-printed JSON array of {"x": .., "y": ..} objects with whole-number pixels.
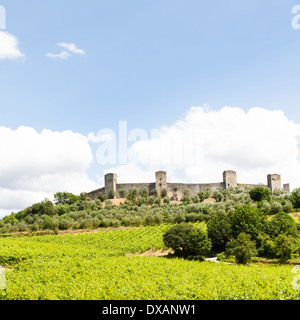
[{"x": 95, "y": 266}]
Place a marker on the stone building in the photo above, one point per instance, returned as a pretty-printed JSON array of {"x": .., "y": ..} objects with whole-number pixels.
[{"x": 176, "y": 190}]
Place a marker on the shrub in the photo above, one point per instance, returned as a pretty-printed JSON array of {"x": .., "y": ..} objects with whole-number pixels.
[
  {"x": 288, "y": 206},
  {"x": 199, "y": 244},
  {"x": 65, "y": 198},
  {"x": 260, "y": 193},
  {"x": 164, "y": 193},
  {"x": 22, "y": 226},
  {"x": 266, "y": 247},
  {"x": 283, "y": 223},
  {"x": 295, "y": 198},
  {"x": 187, "y": 240},
  {"x": 122, "y": 193},
  {"x": 179, "y": 217},
  {"x": 266, "y": 207},
  {"x": 115, "y": 223},
  {"x": 149, "y": 220},
  {"x": 111, "y": 194},
  {"x": 284, "y": 247},
  {"x": 242, "y": 248},
  {"x": 246, "y": 219},
  {"x": 201, "y": 195},
  {"x": 166, "y": 200},
  {"x": 65, "y": 224},
  {"x": 219, "y": 231},
  {"x": 154, "y": 193},
  {"x": 144, "y": 192},
  {"x": 217, "y": 195},
  {"x": 157, "y": 201},
  {"x": 276, "y": 207},
  {"x": 102, "y": 197},
  {"x": 132, "y": 194},
  {"x": 141, "y": 200},
  {"x": 47, "y": 222}
]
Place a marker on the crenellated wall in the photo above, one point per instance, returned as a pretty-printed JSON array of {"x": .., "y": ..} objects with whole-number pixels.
[{"x": 176, "y": 190}]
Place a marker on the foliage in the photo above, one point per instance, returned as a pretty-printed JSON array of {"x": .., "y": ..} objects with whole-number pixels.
[
  {"x": 187, "y": 240},
  {"x": 284, "y": 247},
  {"x": 259, "y": 194},
  {"x": 219, "y": 231},
  {"x": 102, "y": 197},
  {"x": 246, "y": 219},
  {"x": 111, "y": 194},
  {"x": 132, "y": 194},
  {"x": 266, "y": 246},
  {"x": 282, "y": 223},
  {"x": 164, "y": 193},
  {"x": 295, "y": 198},
  {"x": 95, "y": 266},
  {"x": 122, "y": 193},
  {"x": 242, "y": 248},
  {"x": 65, "y": 198}
]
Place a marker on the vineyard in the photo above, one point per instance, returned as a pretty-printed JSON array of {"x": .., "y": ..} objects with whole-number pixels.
[{"x": 97, "y": 266}]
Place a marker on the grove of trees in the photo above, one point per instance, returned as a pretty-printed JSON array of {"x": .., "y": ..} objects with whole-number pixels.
[{"x": 239, "y": 222}]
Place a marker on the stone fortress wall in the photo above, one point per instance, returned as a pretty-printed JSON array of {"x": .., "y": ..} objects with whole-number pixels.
[{"x": 176, "y": 190}]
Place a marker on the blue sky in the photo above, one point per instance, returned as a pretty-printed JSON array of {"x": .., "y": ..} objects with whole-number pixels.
[{"x": 146, "y": 62}]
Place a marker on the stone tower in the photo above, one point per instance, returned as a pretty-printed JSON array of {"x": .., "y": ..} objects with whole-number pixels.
[
  {"x": 286, "y": 187},
  {"x": 274, "y": 182},
  {"x": 110, "y": 183},
  {"x": 160, "y": 181},
  {"x": 229, "y": 179}
]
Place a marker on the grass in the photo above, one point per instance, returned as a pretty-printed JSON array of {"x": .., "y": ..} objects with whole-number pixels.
[{"x": 88, "y": 266}]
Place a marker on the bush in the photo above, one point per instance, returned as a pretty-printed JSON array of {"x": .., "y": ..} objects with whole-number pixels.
[
  {"x": 295, "y": 198},
  {"x": 132, "y": 194},
  {"x": 288, "y": 206},
  {"x": 111, "y": 194},
  {"x": 284, "y": 247},
  {"x": 218, "y": 195},
  {"x": 157, "y": 201},
  {"x": 283, "y": 223},
  {"x": 167, "y": 200},
  {"x": 242, "y": 248},
  {"x": 164, "y": 193},
  {"x": 276, "y": 207},
  {"x": 259, "y": 194},
  {"x": 144, "y": 192},
  {"x": 219, "y": 231},
  {"x": 266, "y": 207},
  {"x": 246, "y": 219},
  {"x": 266, "y": 247},
  {"x": 122, "y": 193},
  {"x": 154, "y": 193},
  {"x": 187, "y": 240},
  {"x": 65, "y": 198},
  {"x": 65, "y": 224},
  {"x": 102, "y": 197}
]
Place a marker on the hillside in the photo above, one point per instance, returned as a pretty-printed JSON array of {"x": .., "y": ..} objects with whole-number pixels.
[{"x": 97, "y": 266}]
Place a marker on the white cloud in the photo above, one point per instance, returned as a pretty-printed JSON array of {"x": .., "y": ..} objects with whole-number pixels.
[
  {"x": 9, "y": 46},
  {"x": 71, "y": 48},
  {"x": 36, "y": 165},
  {"x": 203, "y": 144},
  {"x": 63, "y": 55}
]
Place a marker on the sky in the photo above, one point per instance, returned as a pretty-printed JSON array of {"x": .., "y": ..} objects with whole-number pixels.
[{"x": 191, "y": 87}]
